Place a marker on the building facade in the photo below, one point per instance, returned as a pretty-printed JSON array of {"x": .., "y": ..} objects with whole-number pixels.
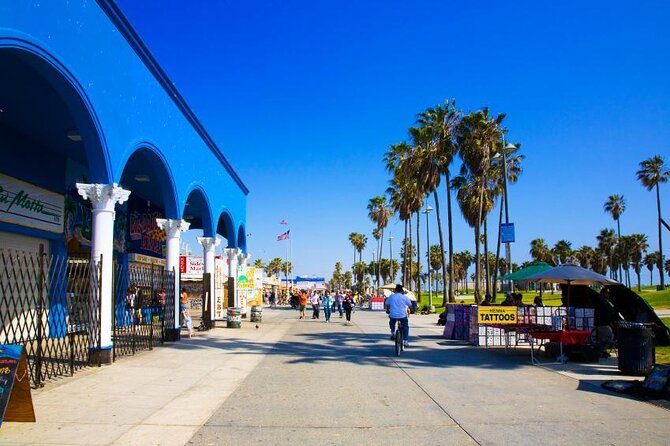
[{"x": 102, "y": 159}]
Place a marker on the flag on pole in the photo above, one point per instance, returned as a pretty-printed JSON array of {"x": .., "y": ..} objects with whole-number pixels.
[
  {"x": 283, "y": 236},
  {"x": 283, "y": 222}
]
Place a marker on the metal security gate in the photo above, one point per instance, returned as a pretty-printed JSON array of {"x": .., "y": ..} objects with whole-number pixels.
[
  {"x": 143, "y": 310},
  {"x": 50, "y": 305}
]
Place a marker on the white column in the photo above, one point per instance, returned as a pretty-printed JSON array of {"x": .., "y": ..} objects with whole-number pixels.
[
  {"x": 231, "y": 255},
  {"x": 209, "y": 245},
  {"x": 173, "y": 228},
  {"x": 104, "y": 198}
]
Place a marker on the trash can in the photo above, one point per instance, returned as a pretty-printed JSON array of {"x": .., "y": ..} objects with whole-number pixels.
[{"x": 636, "y": 354}]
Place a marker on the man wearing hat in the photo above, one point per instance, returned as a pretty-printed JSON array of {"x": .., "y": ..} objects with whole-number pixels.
[{"x": 398, "y": 307}]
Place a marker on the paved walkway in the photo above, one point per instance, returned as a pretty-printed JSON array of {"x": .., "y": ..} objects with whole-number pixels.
[{"x": 304, "y": 382}]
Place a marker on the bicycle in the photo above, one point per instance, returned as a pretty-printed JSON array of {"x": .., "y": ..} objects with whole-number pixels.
[{"x": 399, "y": 341}]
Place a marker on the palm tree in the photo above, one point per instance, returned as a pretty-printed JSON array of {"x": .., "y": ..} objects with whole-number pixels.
[
  {"x": 653, "y": 172},
  {"x": 337, "y": 274},
  {"x": 359, "y": 269},
  {"x": 650, "y": 260},
  {"x": 286, "y": 268},
  {"x": 606, "y": 242},
  {"x": 353, "y": 236},
  {"x": 377, "y": 234},
  {"x": 539, "y": 251},
  {"x": 584, "y": 256},
  {"x": 258, "y": 263},
  {"x": 275, "y": 267},
  {"x": 562, "y": 251},
  {"x": 638, "y": 245},
  {"x": 477, "y": 136},
  {"x": 442, "y": 121},
  {"x": 380, "y": 213},
  {"x": 615, "y": 206},
  {"x": 358, "y": 241}
]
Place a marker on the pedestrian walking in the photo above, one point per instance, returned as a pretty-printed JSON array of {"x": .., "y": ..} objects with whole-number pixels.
[
  {"x": 302, "y": 303},
  {"x": 348, "y": 304},
  {"x": 327, "y": 304},
  {"x": 273, "y": 299},
  {"x": 338, "y": 302},
  {"x": 315, "y": 300}
]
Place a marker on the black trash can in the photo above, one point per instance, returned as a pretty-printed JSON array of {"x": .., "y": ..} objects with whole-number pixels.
[{"x": 636, "y": 354}]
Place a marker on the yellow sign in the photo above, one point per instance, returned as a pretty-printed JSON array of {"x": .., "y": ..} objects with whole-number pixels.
[{"x": 496, "y": 315}]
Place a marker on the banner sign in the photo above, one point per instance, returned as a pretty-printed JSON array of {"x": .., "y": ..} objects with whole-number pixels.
[
  {"x": 144, "y": 235},
  {"x": 246, "y": 277},
  {"x": 27, "y": 205},
  {"x": 191, "y": 265},
  {"x": 219, "y": 294},
  {"x": 507, "y": 233},
  {"x": 496, "y": 315},
  {"x": 16, "y": 403}
]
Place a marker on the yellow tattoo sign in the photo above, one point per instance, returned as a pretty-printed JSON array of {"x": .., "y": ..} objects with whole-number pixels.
[{"x": 496, "y": 315}]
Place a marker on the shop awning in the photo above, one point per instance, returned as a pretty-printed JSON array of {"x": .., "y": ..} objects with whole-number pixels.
[{"x": 523, "y": 273}]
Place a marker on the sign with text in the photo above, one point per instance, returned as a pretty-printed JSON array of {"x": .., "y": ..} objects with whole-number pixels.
[
  {"x": 507, "y": 233},
  {"x": 27, "y": 205},
  {"x": 496, "y": 315},
  {"x": 191, "y": 265},
  {"x": 16, "y": 403}
]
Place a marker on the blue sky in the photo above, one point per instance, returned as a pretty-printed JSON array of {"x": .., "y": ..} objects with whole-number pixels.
[{"x": 304, "y": 97}]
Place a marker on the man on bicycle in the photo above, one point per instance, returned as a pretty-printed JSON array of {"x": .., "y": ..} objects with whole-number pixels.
[{"x": 398, "y": 308}]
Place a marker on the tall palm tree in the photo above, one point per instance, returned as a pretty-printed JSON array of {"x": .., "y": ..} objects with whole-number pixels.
[
  {"x": 377, "y": 234},
  {"x": 275, "y": 267},
  {"x": 651, "y": 260},
  {"x": 353, "y": 237},
  {"x": 442, "y": 121},
  {"x": 615, "y": 206},
  {"x": 606, "y": 242},
  {"x": 638, "y": 245},
  {"x": 477, "y": 136},
  {"x": 380, "y": 213},
  {"x": 653, "y": 172},
  {"x": 258, "y": 263}
]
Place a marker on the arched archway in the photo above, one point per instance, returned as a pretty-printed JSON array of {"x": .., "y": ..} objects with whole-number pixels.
[
  {"x": 47, "y": 116},
  {"x": 197, "y": 211},
  {"x": 147, "y": 175},
  {"x": 225, "y": 228},
  {"x": 242, "y": 239}
]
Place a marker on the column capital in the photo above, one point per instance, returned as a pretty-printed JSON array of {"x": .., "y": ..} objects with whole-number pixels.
[
  {"x": 243, "y": 258},
  {"x": 173, "y": 227},
  {"x": 232, "y": 253},
  {"x": 209, "y": 243},
  {"x": 103, "y": 196}
]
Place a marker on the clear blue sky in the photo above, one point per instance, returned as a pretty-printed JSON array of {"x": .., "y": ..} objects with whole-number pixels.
[{"x": 304, "y": 98}]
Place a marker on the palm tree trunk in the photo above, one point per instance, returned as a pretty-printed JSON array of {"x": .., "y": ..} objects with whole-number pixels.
[
  {"x": 618, "y": 229},
  {"x": 452, "y": 298},
  {"x": 639, "y": 287},
  {"x": 418, "y": 257},
  {"x": 660, "y": 239},
  {"x": 409, "y": 254},
  {"x": 404, "y": 258},
  {"x": 476, "y": 284},
  {"x": 495, "y": 268},
  {"x": 381, "y": 249},
  {"x": 486, "y": 257},
  {"x": 444, "y": 263}
]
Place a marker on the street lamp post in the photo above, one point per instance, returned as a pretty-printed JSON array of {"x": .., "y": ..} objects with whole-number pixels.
[
  {"x": 508, "y": 249},
  {"x": 430, "y": 288}
]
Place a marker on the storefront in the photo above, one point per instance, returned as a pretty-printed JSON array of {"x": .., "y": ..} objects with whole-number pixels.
[{"x": 93, "y": 139}]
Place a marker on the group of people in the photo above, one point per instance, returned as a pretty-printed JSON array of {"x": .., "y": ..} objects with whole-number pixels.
[
  {"x": 512, "y": 300},
  {"x": 342, "y": 302}
]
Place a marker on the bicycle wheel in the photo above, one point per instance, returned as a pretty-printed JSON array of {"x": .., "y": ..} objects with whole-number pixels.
[{"x": 398, "y": 342}]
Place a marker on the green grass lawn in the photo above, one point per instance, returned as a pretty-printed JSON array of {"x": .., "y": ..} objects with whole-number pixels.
[{"x": 659, "y": 300}]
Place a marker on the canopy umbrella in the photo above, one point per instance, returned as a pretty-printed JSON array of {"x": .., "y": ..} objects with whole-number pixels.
[
  {"x": 523, "y": 273},
  {"x": 407, "y": 293},
  {"x": 570, "y": 274}
]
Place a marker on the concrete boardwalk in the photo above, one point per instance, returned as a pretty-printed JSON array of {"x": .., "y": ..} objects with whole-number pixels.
[{"x": 307, "y": 382}]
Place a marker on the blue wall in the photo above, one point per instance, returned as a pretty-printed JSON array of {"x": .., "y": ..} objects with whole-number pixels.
[{"x": 128, "y": 105}]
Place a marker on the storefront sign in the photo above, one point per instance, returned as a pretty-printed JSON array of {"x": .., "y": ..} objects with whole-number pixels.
[
  {"x": 27, "y": 205},
  {"x": 246, "y": 276},
  {"x": 141, "y": 258},
  {"x": 496, "y": 315},
  {"x": 219, "y": 295},
  {"x": 16, "y": 403},
  {"x": 191, "y": 265}
]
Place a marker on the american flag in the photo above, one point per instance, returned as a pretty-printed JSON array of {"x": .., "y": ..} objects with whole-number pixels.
[
  {"x": 283, "y": 222},
  {"x": 283, "y": 236}
]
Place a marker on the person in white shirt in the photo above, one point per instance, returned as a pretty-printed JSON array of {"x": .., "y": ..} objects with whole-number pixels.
[
  {"x": 398, "y": 308},
  {"x": 315, "y": 300}
]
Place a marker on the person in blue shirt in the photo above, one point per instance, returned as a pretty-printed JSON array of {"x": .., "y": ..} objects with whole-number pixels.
[
  {"x": 398, "y": 307},
  {"x": 327, "y": 304}
]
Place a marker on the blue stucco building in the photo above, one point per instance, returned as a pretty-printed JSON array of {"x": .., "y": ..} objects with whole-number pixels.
[{"x": 100, "y": 144}]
